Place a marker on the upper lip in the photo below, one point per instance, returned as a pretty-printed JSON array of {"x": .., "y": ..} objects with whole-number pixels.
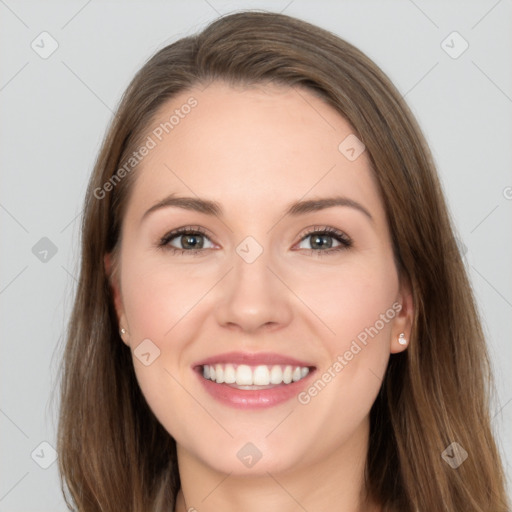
[{"x": 253, "y": 359}]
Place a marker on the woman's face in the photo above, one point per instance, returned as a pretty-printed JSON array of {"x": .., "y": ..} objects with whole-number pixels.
[{"x": 288, "y": 275}]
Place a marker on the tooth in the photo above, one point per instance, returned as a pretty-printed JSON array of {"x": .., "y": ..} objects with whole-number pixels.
[
  {"x": 244, "y": 375},
  {"x": 296, "y": 374},
  {"x": 219, "y": 374},
  {"x": 261, "y": 376},
  {"x": 229, "y": 374},
  {"x": 276, "y": 375}
]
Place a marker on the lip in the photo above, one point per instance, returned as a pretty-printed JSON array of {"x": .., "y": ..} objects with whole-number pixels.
[
  {"x": 252, "y": 359},
  {"x": 252, "y": 398}
]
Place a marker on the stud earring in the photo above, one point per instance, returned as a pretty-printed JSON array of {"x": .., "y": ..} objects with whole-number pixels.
[
  {"x": 122, "y": 331},
  {"x": 401, "y": 339}
]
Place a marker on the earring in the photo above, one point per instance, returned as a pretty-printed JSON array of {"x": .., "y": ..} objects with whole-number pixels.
[
  {"x": 122, "y": 331},
  {"x": 401, "y": 339}
]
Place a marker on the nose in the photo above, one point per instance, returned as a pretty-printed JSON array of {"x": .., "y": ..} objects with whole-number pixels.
[{"x": 253, "y": 298}]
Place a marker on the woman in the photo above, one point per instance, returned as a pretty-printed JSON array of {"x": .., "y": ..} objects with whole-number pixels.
[{"x": 272, "y": 312}]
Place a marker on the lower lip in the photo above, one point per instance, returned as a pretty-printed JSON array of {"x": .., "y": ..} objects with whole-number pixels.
[{"x": 253, "y": 398}]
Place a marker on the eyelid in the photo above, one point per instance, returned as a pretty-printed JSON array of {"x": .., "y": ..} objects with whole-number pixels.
[
  {"x": 190, "y": 228},
  {"x": 326, "y": 230}
]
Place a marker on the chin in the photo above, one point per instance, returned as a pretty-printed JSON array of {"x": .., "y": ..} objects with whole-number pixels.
[
  {"x": 241, "y": 457},
  {"x": 251, "y": 462}
]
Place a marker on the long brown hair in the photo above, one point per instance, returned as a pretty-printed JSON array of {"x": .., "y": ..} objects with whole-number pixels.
[{"x": 115, "y": 455}]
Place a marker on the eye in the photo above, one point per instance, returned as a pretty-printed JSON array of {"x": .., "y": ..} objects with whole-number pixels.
[
  {"x": 325, "y": 240},
  {"x": 194, "y": 240},
  {"x": 190, "y": 239}
]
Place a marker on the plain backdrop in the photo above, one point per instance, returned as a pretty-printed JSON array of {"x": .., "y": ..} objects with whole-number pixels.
[{"x": 54, "y": 112}]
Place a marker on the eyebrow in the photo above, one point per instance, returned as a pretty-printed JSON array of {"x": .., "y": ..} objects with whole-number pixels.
[{"x": 297, "y": 208}]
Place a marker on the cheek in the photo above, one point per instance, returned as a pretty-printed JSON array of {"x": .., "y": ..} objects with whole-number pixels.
[
  {"x": 159, "y": 303},
  {"x": 350, "y": 298},
  {"x": 356, "y": 308},
  {"x": 157, "y": 296}
]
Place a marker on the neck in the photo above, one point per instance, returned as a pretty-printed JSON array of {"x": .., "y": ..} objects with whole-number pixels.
[{"x": 334, "y": 483}]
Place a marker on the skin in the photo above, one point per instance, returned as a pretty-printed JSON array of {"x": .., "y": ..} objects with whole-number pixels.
[{"x": 254, "y": 151}]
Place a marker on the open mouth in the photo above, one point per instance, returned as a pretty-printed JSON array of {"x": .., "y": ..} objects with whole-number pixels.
[
  {"x": 249, "y": 377},
  {"x": 247, "y": 380}
]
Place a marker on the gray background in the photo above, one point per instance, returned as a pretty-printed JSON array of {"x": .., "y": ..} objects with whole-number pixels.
[{"x": 54, "y": 114}]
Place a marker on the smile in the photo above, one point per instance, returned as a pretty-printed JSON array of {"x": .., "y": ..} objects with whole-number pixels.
[
  {"x": 253, "y": 381},
  {"x": 244, "y": 376}
]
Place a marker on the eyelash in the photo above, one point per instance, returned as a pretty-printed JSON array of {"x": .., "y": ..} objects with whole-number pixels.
[{"x": 342, "y": 238}]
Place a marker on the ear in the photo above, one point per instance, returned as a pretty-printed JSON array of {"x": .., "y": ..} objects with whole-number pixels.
[
  {"x": 113, "y": 280},
  {"x": 403, "y": 319}
]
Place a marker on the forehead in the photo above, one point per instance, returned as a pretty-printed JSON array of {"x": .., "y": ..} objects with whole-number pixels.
[{"x": 249, "y": 148}]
